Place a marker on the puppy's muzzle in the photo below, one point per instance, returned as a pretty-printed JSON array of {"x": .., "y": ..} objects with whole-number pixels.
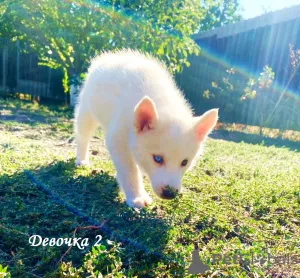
[{"x": 168, "y": 193}]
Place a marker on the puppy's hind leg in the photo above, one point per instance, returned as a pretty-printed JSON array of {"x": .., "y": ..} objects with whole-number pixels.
[{"x": 85, "y": 127}]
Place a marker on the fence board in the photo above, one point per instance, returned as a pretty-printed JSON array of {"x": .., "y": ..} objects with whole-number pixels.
[
  {"x": 20, "y": 73},
  {"x": 249, "y": 46}
]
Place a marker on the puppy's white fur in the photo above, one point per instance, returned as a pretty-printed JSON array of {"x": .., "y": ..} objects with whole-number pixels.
[{"x": 135, "y": 100}]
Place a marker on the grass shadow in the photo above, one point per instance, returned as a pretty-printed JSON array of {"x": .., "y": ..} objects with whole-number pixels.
[
  {"x": 27, "y": 210},
  {"x": 28, "y": 112},
  {"x": 254, "y": 139}
]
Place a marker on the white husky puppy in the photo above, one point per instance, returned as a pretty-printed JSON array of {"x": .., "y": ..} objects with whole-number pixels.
[{"x": 149, "y": 126}]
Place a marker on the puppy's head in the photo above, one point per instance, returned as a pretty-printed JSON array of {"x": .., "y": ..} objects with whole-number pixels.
[{"x": 165, "y": 146}]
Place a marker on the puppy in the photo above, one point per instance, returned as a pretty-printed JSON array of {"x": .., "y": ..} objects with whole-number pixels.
[{"x": 148, "y": 124}]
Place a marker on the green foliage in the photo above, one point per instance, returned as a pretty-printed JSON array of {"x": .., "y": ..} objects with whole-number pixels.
[
  {"x": 233, "y": 93},
  {"x": 66, "y": 34},
  {"x": 4, "y": 272},
  {"x": 99, "y": 262},
  {"x": 220, "y": 90},
  {"x": 260, "y": 84},
  {"x": 218, "y": 13},
  {"x": 294, "y": 57}
]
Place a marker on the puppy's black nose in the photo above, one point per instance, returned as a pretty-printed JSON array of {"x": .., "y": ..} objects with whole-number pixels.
[{"x": 169, "y": 193}]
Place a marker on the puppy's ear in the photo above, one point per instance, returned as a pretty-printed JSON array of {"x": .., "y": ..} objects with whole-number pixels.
[
  {"x": 205, "y": 124},
  {"x": 145, "y": 115}
]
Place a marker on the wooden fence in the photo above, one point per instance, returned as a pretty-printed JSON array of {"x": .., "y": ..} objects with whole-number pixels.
[
  {"x": 20, "y": 73},
  {"x": 247, "y": 46}
]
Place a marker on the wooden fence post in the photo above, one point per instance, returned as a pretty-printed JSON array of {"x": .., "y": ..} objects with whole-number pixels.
[
  {"x": 4, "y": 66},
  {"x": 18, "y": 64}
]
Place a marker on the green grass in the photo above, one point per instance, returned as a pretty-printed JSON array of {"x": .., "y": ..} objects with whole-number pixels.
[{"x": 240, "y": 199}]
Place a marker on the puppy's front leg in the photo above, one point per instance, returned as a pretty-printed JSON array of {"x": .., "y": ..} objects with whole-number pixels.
[{"x": 128, "y": 174}]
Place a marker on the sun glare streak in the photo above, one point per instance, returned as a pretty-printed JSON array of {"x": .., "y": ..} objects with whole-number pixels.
[{"x": 243, "y": 71}]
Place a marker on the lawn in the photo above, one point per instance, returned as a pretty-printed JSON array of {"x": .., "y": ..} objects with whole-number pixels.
[{"x": 241, "y": 199}]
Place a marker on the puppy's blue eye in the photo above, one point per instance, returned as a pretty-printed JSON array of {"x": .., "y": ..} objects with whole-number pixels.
[
  {"x": 158, "y": 159},
  {"x": 184, "y": 162}
]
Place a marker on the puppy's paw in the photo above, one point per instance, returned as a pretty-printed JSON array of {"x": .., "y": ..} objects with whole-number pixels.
[
  {"x": 140, "y": 201},
  {"x": 82, "y": 163}
]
